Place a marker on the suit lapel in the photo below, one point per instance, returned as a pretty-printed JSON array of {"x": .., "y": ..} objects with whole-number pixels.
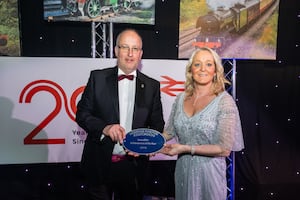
[
  {"x": 140, "y": 90},
  {"x": 139, "y": 100},
  {"x": 113, "y": 92}
]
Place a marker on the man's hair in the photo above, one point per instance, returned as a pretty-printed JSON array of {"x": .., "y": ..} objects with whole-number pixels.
[{"x": 128, "y": 30}]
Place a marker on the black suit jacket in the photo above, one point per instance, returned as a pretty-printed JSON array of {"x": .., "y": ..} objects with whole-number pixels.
[{"x": 99, "y": 106}]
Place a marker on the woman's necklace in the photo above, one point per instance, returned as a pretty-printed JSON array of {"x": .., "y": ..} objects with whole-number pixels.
[{"x": 195, "y": 99}]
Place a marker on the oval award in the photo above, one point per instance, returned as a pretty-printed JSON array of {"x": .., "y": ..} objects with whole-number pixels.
[{"x": 144, "y": 141}]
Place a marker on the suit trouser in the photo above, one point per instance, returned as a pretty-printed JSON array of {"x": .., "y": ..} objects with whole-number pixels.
[{"x": 125, "y": 182}]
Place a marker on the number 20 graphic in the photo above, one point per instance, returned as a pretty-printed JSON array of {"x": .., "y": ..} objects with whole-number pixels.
[{"x": 61, "y": 99}]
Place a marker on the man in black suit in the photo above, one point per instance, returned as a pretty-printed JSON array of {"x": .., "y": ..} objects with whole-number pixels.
[{"x": 115, "y": 101}]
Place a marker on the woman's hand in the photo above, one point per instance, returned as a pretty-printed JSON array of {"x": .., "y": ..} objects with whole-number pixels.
[{"x": 174, "y": 149}]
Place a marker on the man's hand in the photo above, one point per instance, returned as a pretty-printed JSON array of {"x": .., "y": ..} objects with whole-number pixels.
[{"x": 115, "y": 132}]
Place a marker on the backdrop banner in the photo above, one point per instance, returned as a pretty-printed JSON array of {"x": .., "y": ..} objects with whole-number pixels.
[{"x": 38, "y": 98}]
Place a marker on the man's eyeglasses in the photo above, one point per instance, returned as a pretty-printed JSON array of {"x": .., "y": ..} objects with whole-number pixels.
[{"x": 126, "y": 49}]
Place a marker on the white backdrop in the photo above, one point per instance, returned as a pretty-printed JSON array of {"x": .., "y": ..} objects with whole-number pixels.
[{"x": 38, "y": 98}]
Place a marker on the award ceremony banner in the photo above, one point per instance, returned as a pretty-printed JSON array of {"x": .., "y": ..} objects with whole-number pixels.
[{"x": 38, "y": 98}]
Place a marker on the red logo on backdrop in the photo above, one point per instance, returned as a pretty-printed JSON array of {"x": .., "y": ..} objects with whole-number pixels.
[
  {"x": 170, "y": 88},
  {"x": 61, "y": 100}
]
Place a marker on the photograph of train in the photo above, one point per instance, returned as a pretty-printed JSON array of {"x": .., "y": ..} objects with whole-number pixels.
[
  {"x": 116, "y": 11},
  {"x": 239, "y": 29}
]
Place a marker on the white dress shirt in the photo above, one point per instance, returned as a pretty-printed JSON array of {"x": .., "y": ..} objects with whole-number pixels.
[{"x": 126, "y": 106}]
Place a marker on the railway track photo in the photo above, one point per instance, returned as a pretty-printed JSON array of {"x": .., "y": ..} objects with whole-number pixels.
[{"x": 234, "y": 32}]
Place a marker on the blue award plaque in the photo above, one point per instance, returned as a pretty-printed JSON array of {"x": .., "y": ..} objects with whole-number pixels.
[{"x": 144, "y": 141}]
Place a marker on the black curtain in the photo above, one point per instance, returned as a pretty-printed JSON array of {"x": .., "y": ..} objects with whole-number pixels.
[{"x": 268, "y": 97}]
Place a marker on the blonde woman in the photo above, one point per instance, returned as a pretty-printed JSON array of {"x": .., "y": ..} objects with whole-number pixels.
[{"x": 205, "y": 121}]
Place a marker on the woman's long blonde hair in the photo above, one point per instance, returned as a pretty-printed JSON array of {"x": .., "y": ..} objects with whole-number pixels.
[{"x": 219, "y": 80}]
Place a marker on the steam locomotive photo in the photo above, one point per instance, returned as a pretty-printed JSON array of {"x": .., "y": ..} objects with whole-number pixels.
[
  {"x": 215, "y": 25},
  {"x": 89, "y": 8}
]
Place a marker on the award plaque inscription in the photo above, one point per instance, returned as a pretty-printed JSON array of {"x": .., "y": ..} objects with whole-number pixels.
[{"x": 144, "y": 141}]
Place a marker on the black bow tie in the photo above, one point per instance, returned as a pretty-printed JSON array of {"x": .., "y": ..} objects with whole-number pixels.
[{"x": 122, "y": 76}]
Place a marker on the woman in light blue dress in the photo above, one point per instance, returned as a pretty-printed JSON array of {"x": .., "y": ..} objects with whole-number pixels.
[{"x": 206, "y": 123}]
